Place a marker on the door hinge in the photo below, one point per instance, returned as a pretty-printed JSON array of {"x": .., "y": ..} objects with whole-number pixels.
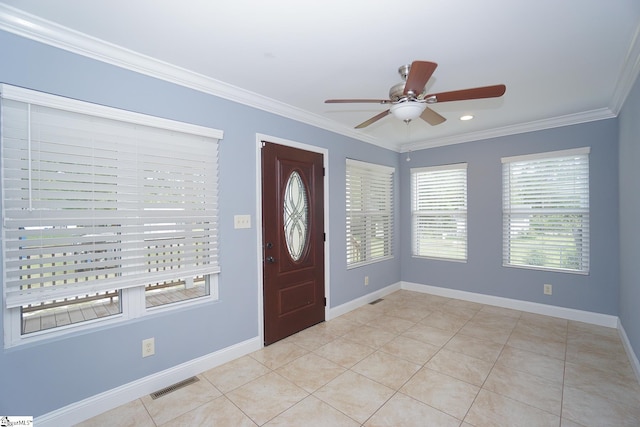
[
  {"x": 323, "y": 172},
  {"x": 324, "y": 237},
  {"x": 325, "y": 301}
]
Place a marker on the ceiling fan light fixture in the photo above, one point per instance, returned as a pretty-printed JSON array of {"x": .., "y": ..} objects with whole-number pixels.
[
  {"x": 408, "y": 110},
  {"x": 466, "y": 117}
]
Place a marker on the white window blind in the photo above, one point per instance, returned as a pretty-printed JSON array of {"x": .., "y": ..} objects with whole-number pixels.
[
  {"x": 546, "y": 210},
  {"x": 369, "y": 212},
  {"x": 96, "y": 199},
  {"x": 439, "y": 211}
]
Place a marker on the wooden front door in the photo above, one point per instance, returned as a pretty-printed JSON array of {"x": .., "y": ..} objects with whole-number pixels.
[{"x": 293, "y": 240}]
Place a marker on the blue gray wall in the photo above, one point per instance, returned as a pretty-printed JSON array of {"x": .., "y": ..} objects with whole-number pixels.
[
  {"x": 630, "y": 216},
  {"x": 51, "y": 374},
  {"x": 484, "y": 273}
]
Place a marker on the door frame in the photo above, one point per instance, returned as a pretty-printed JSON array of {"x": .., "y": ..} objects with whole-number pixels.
[{"x": 258, "y": 222}]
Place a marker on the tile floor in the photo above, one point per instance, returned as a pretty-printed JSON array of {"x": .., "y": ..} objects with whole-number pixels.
[{"x": 413, "y": 360}]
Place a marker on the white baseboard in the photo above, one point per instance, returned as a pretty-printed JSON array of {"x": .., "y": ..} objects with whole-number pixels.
[
  {"x": 359, "y": 302},
  {"x": 530, "y": 307},
  {"x": 635, "y": 363},
  {"x": 95, "y": 405}
]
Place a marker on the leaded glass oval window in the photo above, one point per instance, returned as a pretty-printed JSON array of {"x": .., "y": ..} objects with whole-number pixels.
[{"x": 296, "y": 216}]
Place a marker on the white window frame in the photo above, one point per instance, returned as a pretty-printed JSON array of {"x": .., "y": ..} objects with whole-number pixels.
[
  {"x": 551, "y": 203},
  {"x": 132, "y": 296},
  {"x": 369, "y": 201},
  {"x": 439, "y": 196}
]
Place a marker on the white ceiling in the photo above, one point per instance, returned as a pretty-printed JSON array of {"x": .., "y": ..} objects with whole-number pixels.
[{"x": 563, "y": 62}]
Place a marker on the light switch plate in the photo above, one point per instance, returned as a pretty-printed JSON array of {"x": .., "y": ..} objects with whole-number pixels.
[{"x": 242, "y": 221}]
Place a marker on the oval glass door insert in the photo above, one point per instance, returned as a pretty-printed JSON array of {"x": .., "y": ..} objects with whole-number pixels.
[{"x": 296, "y": 215}]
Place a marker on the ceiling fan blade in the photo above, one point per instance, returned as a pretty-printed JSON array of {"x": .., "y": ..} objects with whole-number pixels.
[
  {"x": 419, "y": 73},
  {"x": 431, "y": 117},
  {"x": 349, "y": 101},
  {"x": 475, "y": 93},
  {"x": 373, "y": 119}
]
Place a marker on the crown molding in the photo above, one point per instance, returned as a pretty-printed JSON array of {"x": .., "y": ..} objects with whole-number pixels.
[
  {"x": 32, "y": 27},
  {"x": 555, "y": 122},
  {"x": 628, "y": 74}
]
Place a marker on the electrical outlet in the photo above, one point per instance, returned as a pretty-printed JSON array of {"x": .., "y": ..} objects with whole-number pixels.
[
  {"x": 366, "y": 280},
  {"x": 242, "y": 221},
  {"x": 148, "y": 347},
  {"x": 548, "y": 289}
]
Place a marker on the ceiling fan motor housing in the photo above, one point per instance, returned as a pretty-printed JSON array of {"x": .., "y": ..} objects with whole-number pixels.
[{"x": 396, "y": 93}]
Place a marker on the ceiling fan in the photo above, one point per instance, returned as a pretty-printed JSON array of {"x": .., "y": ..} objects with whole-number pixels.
[{"x": 408, "y": 98}]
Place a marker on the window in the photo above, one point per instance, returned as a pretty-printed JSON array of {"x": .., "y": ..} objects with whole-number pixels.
[
  {"x": 439, "y": 211},
  {"x": 546, "y": 211},
  {"x": 369, "y": 212},
  {"x": 107, "y": 214}
]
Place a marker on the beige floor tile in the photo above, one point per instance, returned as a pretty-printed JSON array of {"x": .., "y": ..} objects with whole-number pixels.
[
  {"x": 401, "y": 295},
  {"x": 460, "y": 366},
  {"x": 180, "y": 401},
  {"x": 498, "y": 334},
  {"x": 536, "y": 344},
  {"x": 364, "y": 314},
  {"x": 467, "y": 305},
  {"x": 593, "y": 410},
  {"x": 338, "y": 326},
  {"x": 539, "y": 329},
  {"x": 441, "y": 391},
  {"x": 235, "y": 373},
  {"x": 445, "y": 320},
  {"x": 600, "y": 340},
  {"x": 455, "y": 362},
  {"x": 132, "y": 414},
  {"x": 392, "y": 324},
  {"x": 459, "y": 311},
  {"x": 312, "y": 338},
  {"x": 266, "y": 397},
  {"x": 370, "y": 336},
  {"x": 543, "y": 321},
  {"x": 494, "y": 320},
  {"x": 493, "y": 410},
  {"x": 385, "y": 305},
  {"x": 386, "y": 369},
  {"x": 278, "y": 354},
  {"x": 402, "y": 410},
  {"x": 355, "y": 395},
  {"x": 407, "y": 312},
  {"x": 410, "y": 349},
  {"x": 310, "y": 372},
  {"x": 481, "y": 349},
  {"x": 574, "y": 327},
  {"x": 436, "y": 300},
  {"x": 565, "y": 422},
  {"x": 532, "y": 363},
  {"x": 312, "y": 412},
  {"x": 611, "y": 385},
  {"x": 598, "y": 350},
  {"x": 344, "y": 352},
  {"x": 526, "y": 388},
  {"x": 218, "y": 412},
  {"x": 428, "y": 334},
  {"x": 501, "y": 311},
  {"x": 436, "y": 303},
  {"x": 614, "y": 362}
]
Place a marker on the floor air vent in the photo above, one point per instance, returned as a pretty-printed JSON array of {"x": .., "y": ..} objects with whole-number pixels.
[
  {"x": 174, "y": 387},
  {"x": 376, "y": 301}
]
